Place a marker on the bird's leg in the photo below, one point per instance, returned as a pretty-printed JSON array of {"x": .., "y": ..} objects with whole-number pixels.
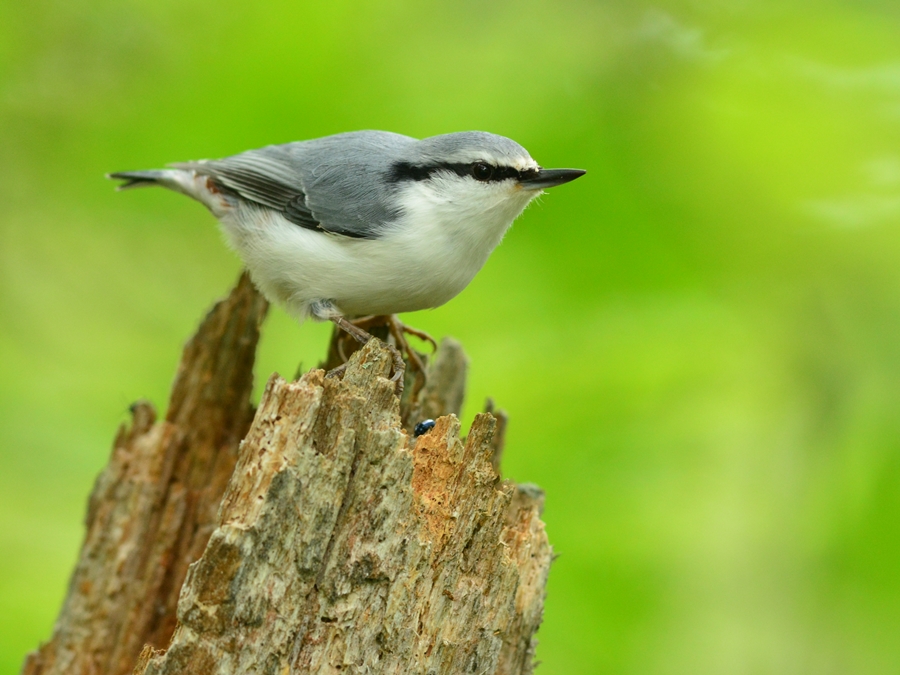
[
  {"x": 356, "y": 328},
  {"x": 363, "y": 337},
  {"x": 396, "y": 329},
  {"x": 358, "y": 334},
  {"x": 421, "y": 334},
  {"x": 394, "y": 324}
]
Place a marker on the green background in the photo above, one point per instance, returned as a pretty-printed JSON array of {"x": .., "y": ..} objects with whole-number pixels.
[{"x": 697, "y": 343}]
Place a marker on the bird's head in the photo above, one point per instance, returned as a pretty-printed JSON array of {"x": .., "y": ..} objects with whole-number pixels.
[{"x": 484, "y": 179}]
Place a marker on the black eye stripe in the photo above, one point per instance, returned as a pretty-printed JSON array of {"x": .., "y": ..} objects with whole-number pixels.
[{"x": 401, "y": 171}]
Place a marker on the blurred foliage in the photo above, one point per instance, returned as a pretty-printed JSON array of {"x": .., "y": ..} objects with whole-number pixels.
[{"x": 697, "y": 342}]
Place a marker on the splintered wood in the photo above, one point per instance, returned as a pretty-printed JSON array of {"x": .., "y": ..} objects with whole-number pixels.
[
  {"x": 341, "y": 544},
  {"x": 154, "y": 506}
]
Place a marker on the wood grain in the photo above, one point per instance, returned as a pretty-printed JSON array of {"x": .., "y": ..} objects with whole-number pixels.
[{"x": 328, "y": 540}]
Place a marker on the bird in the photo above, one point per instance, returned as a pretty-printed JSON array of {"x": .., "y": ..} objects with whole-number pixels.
[{"x": 363, "y": 223}]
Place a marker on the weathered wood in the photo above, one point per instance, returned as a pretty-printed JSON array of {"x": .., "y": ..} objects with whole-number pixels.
[
  {"x": 153, "y": 508},
  {"x": 445, "y": 387},
  {"x": 341, "y": 543}
]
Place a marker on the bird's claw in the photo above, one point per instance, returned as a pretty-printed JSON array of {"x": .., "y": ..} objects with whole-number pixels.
[
  {"x": 339, "y": 370},
  {"x": 399, "y": 370},
  {"x": 421, "y": 334},
  {"x": 362, "y": 336},
  {"x": 396, "y": 327}
]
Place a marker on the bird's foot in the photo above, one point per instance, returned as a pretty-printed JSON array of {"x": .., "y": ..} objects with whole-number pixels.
[
  {"x": 421, "y": 334},
  {"x": 362, "y": 336},
  {"x": 334, "y": 372},
  {"x": 398, "y": 331},
  {"x": 396, "y": 327}
]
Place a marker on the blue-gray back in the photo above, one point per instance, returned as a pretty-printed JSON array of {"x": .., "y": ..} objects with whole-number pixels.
[
  {"x": 342, "y": 183},
  {"x": 334, "y": 184}
]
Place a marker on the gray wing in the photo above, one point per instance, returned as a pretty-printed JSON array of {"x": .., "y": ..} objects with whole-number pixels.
[
  {"x": 263, "y": 177},
  {"x": 334, "y": 184}
]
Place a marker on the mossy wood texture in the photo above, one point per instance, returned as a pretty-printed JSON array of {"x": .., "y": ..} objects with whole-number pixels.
[{"x": 327, "y": 541}]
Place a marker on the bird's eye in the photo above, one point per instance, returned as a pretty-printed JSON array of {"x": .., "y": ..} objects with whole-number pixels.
[{"x": 482, "y": 171}]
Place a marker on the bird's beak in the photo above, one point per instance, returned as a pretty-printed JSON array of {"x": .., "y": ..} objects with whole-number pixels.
[{"x": 547, "y": 178}]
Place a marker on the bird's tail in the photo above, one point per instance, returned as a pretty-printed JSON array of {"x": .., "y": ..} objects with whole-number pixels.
[
  {"x": 135, "y": 179},
  {"x": 186, "y": 181}
]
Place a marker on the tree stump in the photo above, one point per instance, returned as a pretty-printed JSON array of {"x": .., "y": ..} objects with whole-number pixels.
[{"x": 328, "y": 540}]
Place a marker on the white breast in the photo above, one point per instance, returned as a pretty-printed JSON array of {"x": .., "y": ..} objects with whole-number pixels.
[{"x": 427, "y": 257}]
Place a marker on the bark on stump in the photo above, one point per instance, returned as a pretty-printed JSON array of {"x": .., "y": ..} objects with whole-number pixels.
[{"x": 327, "y": 541}]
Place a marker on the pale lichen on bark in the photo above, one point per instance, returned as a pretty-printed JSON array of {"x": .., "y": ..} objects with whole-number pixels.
[{"x": 340, "y": 545}]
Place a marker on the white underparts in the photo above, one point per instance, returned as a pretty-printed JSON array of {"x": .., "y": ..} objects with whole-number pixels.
[{"x": 448, "y": 228}]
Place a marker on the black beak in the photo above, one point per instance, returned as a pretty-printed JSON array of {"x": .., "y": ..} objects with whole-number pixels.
[{"x": 547, "y": 178}]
